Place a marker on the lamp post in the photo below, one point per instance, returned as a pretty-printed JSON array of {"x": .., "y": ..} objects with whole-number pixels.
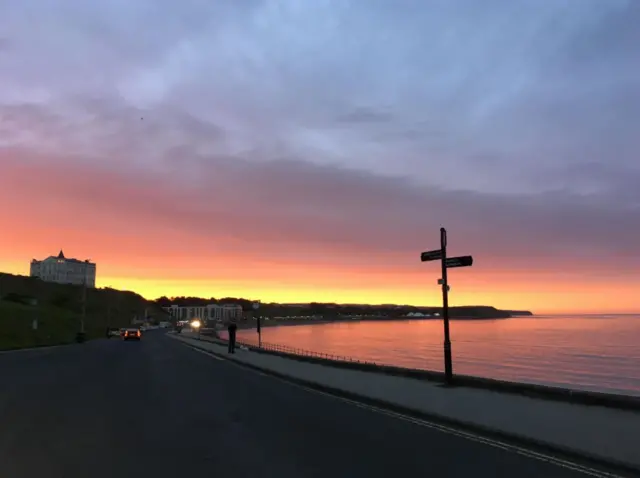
[
  {"x": 196, "y": 325},
  {"x": 81, "y": 334},
  {"x": 256, "y": 306}
]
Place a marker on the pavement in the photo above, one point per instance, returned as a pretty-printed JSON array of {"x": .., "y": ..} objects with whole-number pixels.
[{"x": 158, "y": 408}]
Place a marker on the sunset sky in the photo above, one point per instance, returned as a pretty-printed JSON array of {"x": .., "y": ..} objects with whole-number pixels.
[{"x": 310, "y": 150}]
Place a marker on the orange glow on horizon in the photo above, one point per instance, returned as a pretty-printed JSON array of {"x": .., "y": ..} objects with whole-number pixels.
[
  {"x": 141, "y": 250},
  {"x": 353, "y": 287}
]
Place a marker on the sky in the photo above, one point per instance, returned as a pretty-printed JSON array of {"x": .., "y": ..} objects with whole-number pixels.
[{"x": 297, "y": 151}]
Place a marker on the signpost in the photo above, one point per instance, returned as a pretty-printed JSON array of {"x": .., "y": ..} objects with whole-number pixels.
[
  {"x": 446, "y": 263},
  {"x": 256, "y": 306}
]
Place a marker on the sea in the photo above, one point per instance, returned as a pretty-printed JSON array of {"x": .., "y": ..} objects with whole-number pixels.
[{"x": 596, "y": 352}]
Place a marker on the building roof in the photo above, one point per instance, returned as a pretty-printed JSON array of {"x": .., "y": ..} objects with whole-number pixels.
[
  {"x": 61, "y": 256},
  {"x": 76, "y": 261}
]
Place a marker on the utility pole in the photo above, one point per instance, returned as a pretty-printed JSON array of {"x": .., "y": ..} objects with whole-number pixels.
[{"x": 84, "y": 298}]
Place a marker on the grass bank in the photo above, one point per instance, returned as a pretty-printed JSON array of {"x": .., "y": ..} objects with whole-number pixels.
[
  {"x": 58, "y": 308},
  {"x": 54, "y": 326}
]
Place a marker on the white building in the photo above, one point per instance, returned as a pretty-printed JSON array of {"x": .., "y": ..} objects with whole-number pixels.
[
  {"x": 213, "y": 312},
  {"x": 64, "y": 271}
]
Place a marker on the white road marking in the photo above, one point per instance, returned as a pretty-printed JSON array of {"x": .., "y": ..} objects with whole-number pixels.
[
  {"x": 435, "y": 426},
  {"x": 206, "y": 353},
  {"x": 32, "y": 349},
  {"x": 472, "y": 436}
]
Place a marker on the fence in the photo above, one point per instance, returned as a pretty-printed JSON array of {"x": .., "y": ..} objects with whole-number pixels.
[
  {"x": 286, "y": 349},
  {"x": 305, "y": 353}
]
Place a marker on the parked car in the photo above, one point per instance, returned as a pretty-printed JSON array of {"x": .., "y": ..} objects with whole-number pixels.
[{"x": 113, "y": 332}]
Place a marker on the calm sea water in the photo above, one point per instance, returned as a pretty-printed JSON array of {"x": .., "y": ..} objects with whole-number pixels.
[{"x": 600, "y": 353}]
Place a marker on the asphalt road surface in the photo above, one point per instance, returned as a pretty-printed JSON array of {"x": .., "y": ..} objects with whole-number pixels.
[{"x": 159, "y": 409}]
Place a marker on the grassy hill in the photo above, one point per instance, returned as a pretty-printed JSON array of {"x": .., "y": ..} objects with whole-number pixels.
[{"x": 58, "y": 309}]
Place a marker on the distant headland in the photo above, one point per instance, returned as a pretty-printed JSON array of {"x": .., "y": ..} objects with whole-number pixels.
[{"x": 336, "y": 311}]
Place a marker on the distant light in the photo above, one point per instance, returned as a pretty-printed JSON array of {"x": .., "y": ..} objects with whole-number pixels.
[{"x": 195, "y": 324}]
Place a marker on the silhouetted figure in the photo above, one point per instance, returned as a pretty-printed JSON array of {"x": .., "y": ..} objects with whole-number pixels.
[{"x": 231, "y": 328}]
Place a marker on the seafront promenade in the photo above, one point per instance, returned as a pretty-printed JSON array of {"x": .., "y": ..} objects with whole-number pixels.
[{"x": 598, "y": 433}]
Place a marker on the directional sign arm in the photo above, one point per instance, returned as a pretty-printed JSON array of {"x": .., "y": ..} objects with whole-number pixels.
[
  {"x": 434, "y": 255},
  {"x": 461, "y": 261}
]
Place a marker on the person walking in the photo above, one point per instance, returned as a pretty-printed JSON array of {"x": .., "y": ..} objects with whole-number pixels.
[{"x": 232, "y": 327}]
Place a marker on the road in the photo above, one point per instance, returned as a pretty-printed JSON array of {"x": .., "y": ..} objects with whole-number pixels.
[{"x": 160, "y": 409}]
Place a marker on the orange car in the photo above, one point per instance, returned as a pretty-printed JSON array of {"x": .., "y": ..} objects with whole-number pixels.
[{"x": 131, "y": 334}]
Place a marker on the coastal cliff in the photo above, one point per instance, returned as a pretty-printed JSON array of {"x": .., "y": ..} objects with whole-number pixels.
[{"x": 520, "y": 313}]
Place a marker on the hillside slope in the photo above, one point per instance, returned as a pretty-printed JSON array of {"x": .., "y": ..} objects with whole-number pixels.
[{"x": 58, "y": 308}]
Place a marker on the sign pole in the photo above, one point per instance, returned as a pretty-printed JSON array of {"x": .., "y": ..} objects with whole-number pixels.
[
  {"x": 448, "y": 363},
  {"x": 446, "y": 263}
]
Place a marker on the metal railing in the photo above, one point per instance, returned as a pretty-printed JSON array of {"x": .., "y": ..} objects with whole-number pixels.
[
  {"x": 289, "y": 350},
  {"x": 579, "y": 395},
  {"x": 286, "y": 349}
]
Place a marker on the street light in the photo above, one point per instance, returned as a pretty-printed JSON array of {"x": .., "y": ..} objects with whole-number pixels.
[
  {"x": 196, "y": 325},
  {"x": 256, "y": 306},
  {"x": 81, "y": 335}
]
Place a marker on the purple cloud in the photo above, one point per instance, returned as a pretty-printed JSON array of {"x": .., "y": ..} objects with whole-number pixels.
[{"x": 350, "y": 124}]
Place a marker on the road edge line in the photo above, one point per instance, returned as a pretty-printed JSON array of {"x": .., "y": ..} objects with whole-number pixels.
[
  {"x": 514, "y": 439},
  {"x": 33, "y": 349}
]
